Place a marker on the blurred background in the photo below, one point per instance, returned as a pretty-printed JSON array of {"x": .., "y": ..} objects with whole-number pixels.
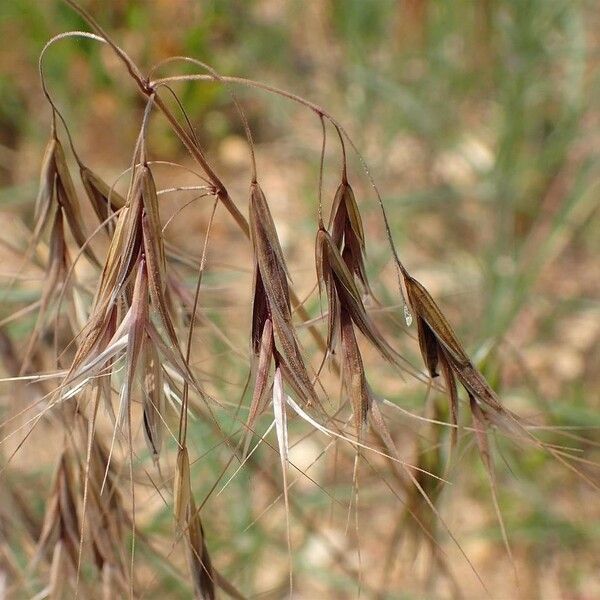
[{"x": 480, "y": 122}]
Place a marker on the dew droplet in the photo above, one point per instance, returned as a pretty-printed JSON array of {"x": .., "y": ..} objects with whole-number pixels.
[{"x": 408, "y": 316}]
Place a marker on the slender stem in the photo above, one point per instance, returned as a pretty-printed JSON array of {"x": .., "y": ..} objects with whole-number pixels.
[
  {"x": 184, "y": 404},
  {"x": 88, "y": 18},
  {"x": 55, "y": 111},
  {"x": 322, "y": 160},
  {"x": 344, "y": 158},
  {"x": 220, "y": 79}
]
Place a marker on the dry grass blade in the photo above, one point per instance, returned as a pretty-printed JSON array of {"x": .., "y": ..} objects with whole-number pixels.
[{"x": 59, "y": 572}]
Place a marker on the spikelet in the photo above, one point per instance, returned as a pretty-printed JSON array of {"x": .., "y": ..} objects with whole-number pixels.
[
  {"x": 59, "y": 538},
  {"x": 272, "y": 328},
  {"x": 188, "y": 523}
]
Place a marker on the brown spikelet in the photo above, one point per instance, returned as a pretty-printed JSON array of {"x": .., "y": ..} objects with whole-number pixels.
[
  {"x": 325, "y": 280},
  {"x": 120, "y": 321},
  {"x": 347, "y": 232},
  {"x": 136, "y": 334},
  {"x": 260, "y": 312},
  {"x": 438, "y": 342},
  {"x": 153, "y": 400},
  {"x": 58, "y": 265},
  {"x": 67, "y": 198},
  {"x": 188, "y": 523},
  {"x": 181, "y": 489},
  {"x": 154, "y": 258},
  {"x": 106, "y": 520},
  {"x": 269, "y": 258},
  {"x": 45, "y": 195},
  {"x": 125, "y": 251},
  {"x": 60, "y": 529},
  {"x": 426, "y": 309},
  {"x": 339, "y": 284},
  {"x": 428, "y": 344},
  {"x": 105, "y": 201},
  {"x": 345, "y": 306},
  {"x": 450, "y": 380},
  {"x": 345, "y": 216},
  {"x": 272, "y": 298},
  {"x": 436, "y": 323},
  {"x": 200, "y": 564},
  {"x": 151, "y": 213},
  {"x": 261, "y": 378},
  {"x": 353, "y": 374}
]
